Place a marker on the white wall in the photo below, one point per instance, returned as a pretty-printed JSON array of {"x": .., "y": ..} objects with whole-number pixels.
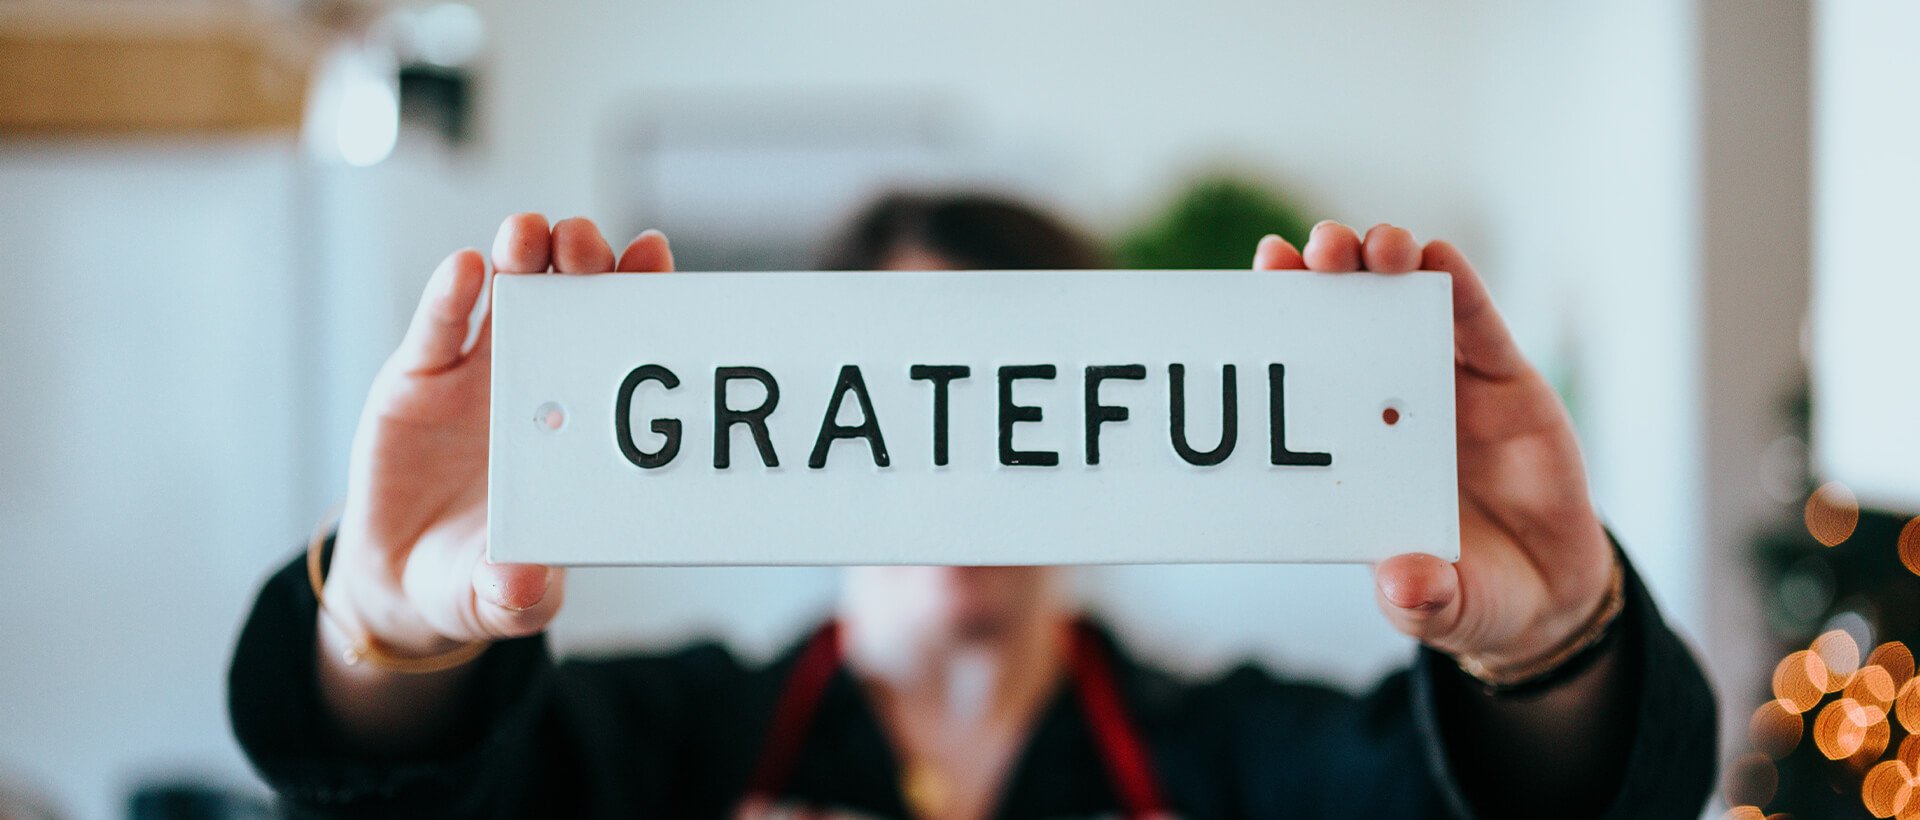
[
  {"x": 1540, "y": 138},
  {"x": 1587, "y": 162},
  {"x": 151, "y": 453},
  {"x": 1866, "y": 287}
]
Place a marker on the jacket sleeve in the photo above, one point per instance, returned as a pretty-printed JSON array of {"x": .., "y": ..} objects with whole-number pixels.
[
  {"x": 281, "y": 723},
  {"x": 1671, "y": 757},
  {"x": 1294, "y": 749}
]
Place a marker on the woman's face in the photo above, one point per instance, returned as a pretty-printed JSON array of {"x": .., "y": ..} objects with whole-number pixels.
[{"x": 952, "y": 605}]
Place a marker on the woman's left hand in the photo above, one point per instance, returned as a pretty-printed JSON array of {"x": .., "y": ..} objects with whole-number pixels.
[{"x": 1534, "y": 563}]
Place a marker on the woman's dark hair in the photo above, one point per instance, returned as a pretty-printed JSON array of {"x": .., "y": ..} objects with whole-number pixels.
[{"x": 970, "y": 230}]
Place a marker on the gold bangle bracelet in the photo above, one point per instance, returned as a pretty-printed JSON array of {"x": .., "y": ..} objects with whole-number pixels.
[
  {"x": 1596, "y": 629},
  {"x": 365, "y": 647}
]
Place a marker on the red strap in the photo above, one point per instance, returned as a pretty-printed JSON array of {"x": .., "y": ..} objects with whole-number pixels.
[
  {"x": 798, "y": 701},
  {"x": 1120, "y": 746},
  {"x": 1113, "y": 729}
]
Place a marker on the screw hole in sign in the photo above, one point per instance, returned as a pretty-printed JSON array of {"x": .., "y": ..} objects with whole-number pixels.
[
  {"x": 1390, "y": 412},
  {"x": 550, "y": 417}
]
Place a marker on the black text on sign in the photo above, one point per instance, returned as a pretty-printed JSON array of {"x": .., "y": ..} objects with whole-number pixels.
[{"x": 971, "y": 418}]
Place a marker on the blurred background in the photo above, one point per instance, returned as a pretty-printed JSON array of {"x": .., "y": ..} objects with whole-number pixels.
[{"x": 216, "y": 215}]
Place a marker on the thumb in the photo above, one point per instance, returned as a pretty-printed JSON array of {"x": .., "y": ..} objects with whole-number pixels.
[
  {"x": 436, "y": 337},
  {"x": 1420, "y": 595},
  {"x": 516, "y": 600}
]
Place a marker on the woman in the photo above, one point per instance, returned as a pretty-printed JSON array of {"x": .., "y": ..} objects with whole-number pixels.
[{"x": 1547, "y": 685}]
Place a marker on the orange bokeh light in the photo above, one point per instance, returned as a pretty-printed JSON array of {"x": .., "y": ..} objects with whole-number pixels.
[
  {"x": 1910, "y": 545},
  {"x": 1832, "y": 513},
  {"x": 1872, "y": 745},
  {"x": 1909, "y": 752},
  {"x": 1840, "y": 653},
  {"x": 1872, "y": 686},
  {"x": 1800, "y": 680},
  {"x": 1842, "y": 728},
  {"x": 1906, "y": 705},
  {"x": 1888, "y": 788},
  {"x": 1894, "y": 657},
  {"x": 1776, "y": 728}
]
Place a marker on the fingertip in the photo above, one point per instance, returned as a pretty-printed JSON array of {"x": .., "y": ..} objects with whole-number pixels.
[
  {"x": 578, "y": 247},
  {"x": 1390, "y": 249},
  {"x": 1470, "y": 296},
  {"x": 436, "y": 333},
  {"x": 1332, "y": 247},
  {"x": 457, "y": 283},
  {"x": 647, "y": 253},
  {"x": 1441, "y": 255},
  {"x": 469, "y": 261},
  {"x": 1417, "y": 583},
  {"x": 1264, "y": 249},
  {"x": 523, "y": 244},
  {"x": 1276, "y": 253},
  {"x": 513, "y": 587},
  {"x": 515, "y": 600}
]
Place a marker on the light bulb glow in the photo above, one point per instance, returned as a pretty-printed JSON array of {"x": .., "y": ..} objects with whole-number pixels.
[
  {"x": 369, "y": 123},
  {"x": 353, "y": 106}
]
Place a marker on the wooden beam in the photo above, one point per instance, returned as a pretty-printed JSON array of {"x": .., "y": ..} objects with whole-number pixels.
[{"x": 68, "y": 73}]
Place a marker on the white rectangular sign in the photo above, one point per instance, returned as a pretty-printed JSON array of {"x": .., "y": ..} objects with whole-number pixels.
[{"x": 981, "y": 417}]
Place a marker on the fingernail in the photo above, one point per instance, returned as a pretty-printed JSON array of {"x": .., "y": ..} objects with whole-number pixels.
[
  {"x": 442, "y": 277},
  {"x": 501, "y": 248},
  {"x": 546, "y": 583},
  {"x": 500, "y": 594}
]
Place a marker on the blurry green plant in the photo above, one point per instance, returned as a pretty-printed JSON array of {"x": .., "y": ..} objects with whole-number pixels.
[{"x": 1213, "y": 224}]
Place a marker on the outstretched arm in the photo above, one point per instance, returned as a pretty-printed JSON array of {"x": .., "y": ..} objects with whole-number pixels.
[
  {"x": 409, "y": 571},
  {"x": 1536, "y": 570}
]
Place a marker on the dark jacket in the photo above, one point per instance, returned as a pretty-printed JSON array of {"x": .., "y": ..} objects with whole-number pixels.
[{"x": 676, "y": 735}]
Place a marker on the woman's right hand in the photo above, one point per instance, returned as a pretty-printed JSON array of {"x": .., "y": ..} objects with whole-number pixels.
[{"x": 409, "y": 566}]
